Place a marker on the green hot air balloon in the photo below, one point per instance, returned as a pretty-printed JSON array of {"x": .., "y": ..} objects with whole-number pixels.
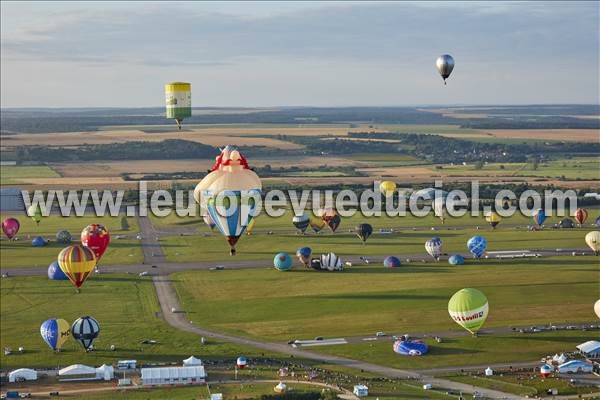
[{"x": 469, "y": 309}]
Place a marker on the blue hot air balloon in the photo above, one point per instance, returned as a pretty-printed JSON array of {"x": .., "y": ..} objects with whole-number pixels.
[
  {"x": 391, "y": 262},
  {"x": 39, "y": 242},
  {"x": 477, "y": 245},
  {"x": 282, "y": 262},
  {"x": 55, "y": 273},
  {"x": 55, "y": 332},
  {"x": 410, "y": 347},
  {"x": 539, "y": 217},
  {"x": 434, "y": 247},
  {"x": 456, "y": 259},
  {"x": 303, "y": 254}
]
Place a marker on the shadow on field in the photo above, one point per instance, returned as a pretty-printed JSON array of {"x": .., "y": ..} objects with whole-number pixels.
[
  {"x": 448, "y": 351},
  {"x": 382, "y": 296},
  {"x": 399, "y": 270},
  {"x": 545, "y": 338}
]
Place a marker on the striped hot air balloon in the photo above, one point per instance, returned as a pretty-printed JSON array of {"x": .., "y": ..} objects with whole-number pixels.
[
  {"x": 77, "y": 262},
  {"x": 85, "y": 330},
  {"x": 301, "y": 222},
  {"x": 434, "y": 247},
  {"x": 178, "y": 99},
  {"x": 581, "y": 215}
]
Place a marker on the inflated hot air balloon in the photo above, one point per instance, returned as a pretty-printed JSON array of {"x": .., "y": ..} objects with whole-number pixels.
[
  {"x": 178, "y": 99},
  {"x": 97, "y": 238},
  {"x": 597, "y": 308},
  {"x": 387, "y": 188},
  {"x": 330, "y": 217},
  {"x": 64, "y": 237},
  {"x": 241, "y": 362},
  {"x": 445, "y": 65},
  {"x": 592, "y": 239},
  {"x": 303, "y": 254},
  {"x": 230, "y": 193},
  {"x": 35, "y": 212},
  {"x": 477, "y": 246},
  {"x": 493, "y": 218},
  {"x": 581, "y": 215},
  {"x": 391, "y": 262},
  {"x": 301, "y": 222},
  {"x": 434, "y": 247},
  {"x": 77, "y": 262},
  {"x": 208, "y": 221},
  {"x": 363, "y": 231},
  {"x": 539, "y": 216},
  {"x": 10, "y": 227},
  {"x": 280, "y": 388},
  {"x": 317, "y": 224},
  {"x": 410, "y": 347},
  {"x": 282, "y": 262},
  {"x": 546, "y": 370},
  {"x": 39, "y": 242},
  {"x": 85, "y": 330},
  {"x": 55, "y": 333},
  {"x": 469, "y": 309},
  {"x": 456, "y": 259},
  {"x": 55, "y": 273}
]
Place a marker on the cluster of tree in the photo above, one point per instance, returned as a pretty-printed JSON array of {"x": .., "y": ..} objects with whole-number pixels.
[{"x": 528, "y": 122}]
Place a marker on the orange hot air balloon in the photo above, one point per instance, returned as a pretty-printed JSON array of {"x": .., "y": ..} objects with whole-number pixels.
[{"x": 77, "y": 262}]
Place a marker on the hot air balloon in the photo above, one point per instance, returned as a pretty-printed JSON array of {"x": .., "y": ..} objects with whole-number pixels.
[
  {"x": 55, "y": 273},
  {"x": 178, "y": 98},
  {"x": 97, "y": 238},
  {"x": 77, "y": 262},
  {"x": 581, "y": 215},
  {"x": 330, "y": 217},
  {"x": 280, "y": 388},
  {"x": 208, "y": 221},
  {"x": 241, "y": 362},
  {"x": 317, "y": 224},
  {"x": 387, "y": 188},
  {"x": 55, "y": 333},
  {"x": 592, "y": 239},
  {"x": 391, "y": 262},
  {"x": 566, "y": 223},
  {"x": 301, "y": 222},
  {"x": 64, "y": 237},
  {"x": 282, "y": 262},
  {"x": 303, "y": 254},
  {"x": 445, "y": 65},
  {"x": 539, "y": 216},
  {"x": 331, "y": 262},
  {"x": 493, "y": 218},
  {"x": 10, "y": 227},
  {"x": 434, "y": 247},
  {"x": 410, "y": 347},
  {"x": 597, "y": 308},
  {"x": 477, "y": 245},
  {"x": 363, "y": 231},
  {"x": 230, "y": 193},
  {"x": 85, "y": 330},
  {"x": 39, "y": 242},
  {"x": 546, "y": 370},
  {"x": 456, "y": 259},
  {"x": 35, "y": 212},
  {"x": 469, "y": 309}
]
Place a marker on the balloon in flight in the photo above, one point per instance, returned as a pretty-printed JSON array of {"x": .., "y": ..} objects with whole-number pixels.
[
  {"x": 477, "y": 246},
  {"x": 77, "y": 262},
  {"x": 330, "y": 217},
  {"x": 85, "y": 330},
  {"x": 581, "y": 215},
  {"x": 592, "y": 239},
  {"x": 55, "y": 333},
  {"x": 35, "y": 212},
  {"x": 96, "y": 238},
  {"x": 493, "y": 218},
  {"x": 178, "y": 99},
  {"x": 445, "y": 65},
  {"x": 539, "y": 217},
  {"x": 363, "y": 231},
  {"x": 301, "y": 222},
  {"x": 597, "y": 308},
  {"x": 434, "y": 247},
  {"x": 10, "y": 227},
  {"x": 230, "y": 193},
  {"x": 469, "y": 308},
  {"x": 387, "y": 188}
]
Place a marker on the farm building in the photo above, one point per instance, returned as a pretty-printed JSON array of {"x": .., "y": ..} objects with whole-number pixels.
[
  {"x": 173, "y": 376},
  {"x": 361, "y": 390},
  {"x": 22, "y": 374},
  {"x": 590, "y": 349},
  {"x": 575, "y": 366}
]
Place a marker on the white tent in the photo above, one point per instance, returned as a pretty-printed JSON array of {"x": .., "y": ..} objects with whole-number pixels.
[
  {"x": 22, "y": 374},
  {"x": 559, "y": 359},
  {"x": 280, "y": 388},
  {"x": 191, "y": 361},
  {"x": 77, "y": 369},
  {"x": 173, "y": 375},
  {"x": 106, "y": 372},
  {"x": 489, "y": 371}
]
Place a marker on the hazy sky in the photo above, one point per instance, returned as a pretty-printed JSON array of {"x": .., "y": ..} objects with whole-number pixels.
[{"x": 69, "y": 54}]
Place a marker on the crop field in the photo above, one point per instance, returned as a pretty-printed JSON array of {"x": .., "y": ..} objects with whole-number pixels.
[
  {"x": 568, "y": 135},
  {"x": 20, "y": 253},
  {"x": 13, "y": 175}
]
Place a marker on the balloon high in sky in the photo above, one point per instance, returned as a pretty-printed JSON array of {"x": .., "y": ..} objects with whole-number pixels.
[
  {"x": 445, "y": 65},
  {"x": 178, "y": 99}
]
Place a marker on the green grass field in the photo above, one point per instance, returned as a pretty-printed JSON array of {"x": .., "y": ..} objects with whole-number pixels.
[
  {"x": 20, "y": 253},
  {"x": 13, "y": 175}
]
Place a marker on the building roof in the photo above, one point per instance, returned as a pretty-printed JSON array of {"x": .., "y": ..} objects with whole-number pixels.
[
  {"x": 575, "y": 362},
  {"x": 173, "y": 372},
  {"x": 192, "y": 361},
  {"x": 23, "y": 372},
  {"x": 77, "y": 369},
  {"x": 592, "y": 346}
]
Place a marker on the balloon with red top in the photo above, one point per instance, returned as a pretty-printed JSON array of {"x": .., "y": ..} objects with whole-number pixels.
[{"x": 96, "y": 238}]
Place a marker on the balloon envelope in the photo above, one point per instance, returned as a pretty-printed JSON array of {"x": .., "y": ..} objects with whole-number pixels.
[
  {"x": 391, "y": 262},
  {"x": 597, "y": 308},
  {"x": 330, "y": 217},
  {"x": 10, "y": 227},
  {"x": 410, "y": 347},
  {"x": 55, "y": 273},
  {"x": 178, "y": 101},
  {"x": 208, "y": 221},
  {"x": 301, "y": 222},
  {"x": 539, "y": 217},
  {"x": 303, "y": 254},
  {"x": 317, "y": 224},
  {"x": 39, "y": 242},
  {"x": 55, "y": 332},
  {"x": 434, "y": 247},
  {"x": 493, "y": 219},
  {"x": 77, "y": 262},
  {"x": 581, "y": 215},
  {"x": 456, "y": 259},
  {"x": 282, "y": 262},
  {"x": 35, "y": 212},
  {"x": 469, "y": 309},
  {"x": 477, "y": 245},
  {"x": 363, "y": 231},
  {"x": 445, "y": 65},
  {"x": 85, "y": 330},
  {"x": 63, "y": 237},
  {"x": 241, "y": 362},
  {"x": 592, "y": 239},
  {"x": 388, "y": 188},
  {"x": 95, "y": 237}
]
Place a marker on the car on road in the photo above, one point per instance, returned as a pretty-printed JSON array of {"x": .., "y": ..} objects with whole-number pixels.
[
  {"x": 217, "y": 268},
  {"x": 155, "y": 266},
  {"x": 380, "y": 334},
  {"x": 319, "y": 338},
  {"x": 291, "y": 341},
  {"x": 143, "y": 273}
]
